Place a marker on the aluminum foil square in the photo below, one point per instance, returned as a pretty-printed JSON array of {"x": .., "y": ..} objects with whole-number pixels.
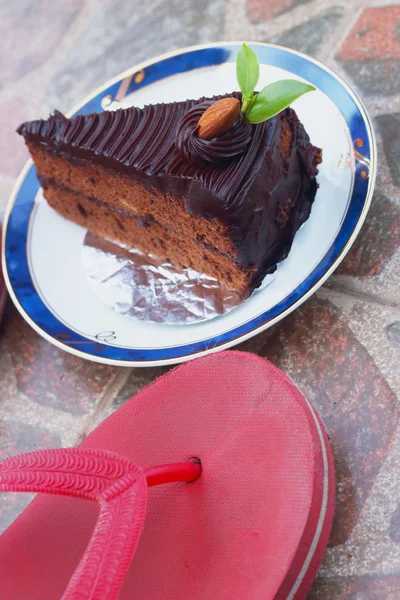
[{"x": 147, "y": 288}]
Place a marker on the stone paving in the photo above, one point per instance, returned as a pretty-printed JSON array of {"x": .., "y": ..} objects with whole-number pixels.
[{"x": 342, "y": 347}]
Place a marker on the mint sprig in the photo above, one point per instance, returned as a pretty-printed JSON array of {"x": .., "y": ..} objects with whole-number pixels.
[
  {"x": 247, "y": 72},
  {"x": 273, "y": 98}
]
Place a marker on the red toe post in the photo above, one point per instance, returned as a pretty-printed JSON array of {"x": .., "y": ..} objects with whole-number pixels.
[
  {"x": 117, "y": 485},
  {"x": 189, "y": 471}
]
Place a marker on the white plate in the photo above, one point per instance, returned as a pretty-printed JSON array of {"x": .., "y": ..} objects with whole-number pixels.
[{"x": 43, "y": 251}]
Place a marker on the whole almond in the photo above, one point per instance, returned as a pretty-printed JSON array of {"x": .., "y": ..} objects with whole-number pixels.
[{"x": 218, "y": 118}]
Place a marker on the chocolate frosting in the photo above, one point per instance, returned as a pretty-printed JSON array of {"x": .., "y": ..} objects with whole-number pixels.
[
  {"x": 261, "y": 194},
  {"x": 220, "y": 150}
]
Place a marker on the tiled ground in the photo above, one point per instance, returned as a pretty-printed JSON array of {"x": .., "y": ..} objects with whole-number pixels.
[{"x": 342, "y": 347}]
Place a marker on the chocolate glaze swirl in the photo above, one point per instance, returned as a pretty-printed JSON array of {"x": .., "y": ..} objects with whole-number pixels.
[{"x": 220, "y": 150}]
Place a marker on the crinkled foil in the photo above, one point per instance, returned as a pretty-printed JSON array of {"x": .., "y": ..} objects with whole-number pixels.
[{"x": 147, "y": 288}]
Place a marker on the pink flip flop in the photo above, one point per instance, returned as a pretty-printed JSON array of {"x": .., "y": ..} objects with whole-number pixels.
[
  {"x": 245, "y": 513},
  {"x": 3, "y": 291}
]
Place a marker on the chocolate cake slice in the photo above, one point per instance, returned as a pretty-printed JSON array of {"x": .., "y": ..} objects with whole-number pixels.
[{"x": 228, "y": 206}]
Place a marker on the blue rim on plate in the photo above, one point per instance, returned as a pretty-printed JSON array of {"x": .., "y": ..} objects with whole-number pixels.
[{"x": 15, "y": 263}]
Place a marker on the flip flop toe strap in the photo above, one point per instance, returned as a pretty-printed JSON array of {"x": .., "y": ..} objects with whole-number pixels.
[{"x": 111, "y": 480}]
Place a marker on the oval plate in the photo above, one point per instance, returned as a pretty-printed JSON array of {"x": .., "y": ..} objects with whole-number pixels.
[{"x": 42, "y": 251}]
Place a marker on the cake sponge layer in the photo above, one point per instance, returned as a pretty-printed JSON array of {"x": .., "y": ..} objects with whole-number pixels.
[
  {"x": 148, "y": 236},
  {"x": 120, "y": 192}
]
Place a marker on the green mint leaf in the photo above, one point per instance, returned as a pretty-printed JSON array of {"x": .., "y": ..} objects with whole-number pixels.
[
  {"x": 247, "y": 71},
  {"x": 276, "y": 97}
]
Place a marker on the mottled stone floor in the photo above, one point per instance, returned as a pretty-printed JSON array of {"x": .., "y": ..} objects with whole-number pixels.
[{"x": 342, "y": 347}]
